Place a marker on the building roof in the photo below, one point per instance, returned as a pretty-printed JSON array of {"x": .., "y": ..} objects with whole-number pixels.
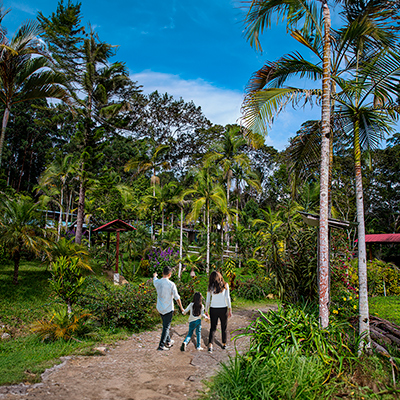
[
  {"x": 313, "y": 220},
  {"x": 114, "y": 226},
  {"x": 383, "y": 238}
]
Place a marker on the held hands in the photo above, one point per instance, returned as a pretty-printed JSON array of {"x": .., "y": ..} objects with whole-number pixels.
[{"x": 155, "y": 275}]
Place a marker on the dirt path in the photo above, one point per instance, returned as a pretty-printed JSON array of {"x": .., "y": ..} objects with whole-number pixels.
[{"x": 135, "y": 370}]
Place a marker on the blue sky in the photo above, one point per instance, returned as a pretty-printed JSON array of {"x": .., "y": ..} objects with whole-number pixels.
[{"x": 190, "y": 49}]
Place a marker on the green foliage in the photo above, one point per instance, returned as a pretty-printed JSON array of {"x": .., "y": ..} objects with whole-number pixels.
[
  {"x": 67, "y": 279},
  {"x": 4, "y": 258},
  {"x": 288, "y": 376},
  {"x": 254, "y": 288},
  {"x": 383, "y": 278},
  {"x": 68, "y": 249},
  {"x": 63, "y": 325},
  {"x": 187, "y": 290},
  {"x": 290, "y": 357},
  {"x": 121, "y": 306},
  {"x": 292, "y": 329},
  {"x": 345, "y": 305}
]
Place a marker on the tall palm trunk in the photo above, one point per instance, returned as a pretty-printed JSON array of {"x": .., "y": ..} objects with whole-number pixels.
[
  {"x": 362, "y": 253},
  {"x": 60, "y": 216},
  {"x": 16, "y": 257},
  {"x": 228, "y": 191},
  {"x": 323, "y": 256},
  {"x": 162, "y": 222},
  {"x": 6, "y": 116},
  {"x": 180, "y": 245},
  {"x": 80, "y": 216},
  {"x": 208, "y": 238}
]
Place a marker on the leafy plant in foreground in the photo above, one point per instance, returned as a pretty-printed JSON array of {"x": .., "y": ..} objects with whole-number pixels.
[
  {"x": 67, "y": 279},
  {"x": 63, "y": 325}
]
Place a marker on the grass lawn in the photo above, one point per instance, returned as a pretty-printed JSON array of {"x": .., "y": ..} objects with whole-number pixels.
[
  {"x": 386, "y": 308},
  {"x": 24, "y": 357}
]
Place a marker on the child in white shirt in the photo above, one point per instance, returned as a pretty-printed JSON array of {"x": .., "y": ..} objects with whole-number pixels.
[{"x": 196, "y": 309}]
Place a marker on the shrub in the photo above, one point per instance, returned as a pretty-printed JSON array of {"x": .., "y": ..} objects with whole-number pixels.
[
  {"x": 345, "y": 305},
  {"x": 63, "y": 325},
  {"x": 289, "y": 376},
  {"x": 254, "y": 288},
  {"x": 383, "y": 278},
  {"x": 297, "y": 329},
  {"x": 121, "y": 306},
  {"x": 187, "y": 290},
  {"x": 158, "y": 259},
  {"x": 66, "y": 279}
]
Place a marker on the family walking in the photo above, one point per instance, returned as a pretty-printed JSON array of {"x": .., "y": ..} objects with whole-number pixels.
[{"x": 218, "y": 307}]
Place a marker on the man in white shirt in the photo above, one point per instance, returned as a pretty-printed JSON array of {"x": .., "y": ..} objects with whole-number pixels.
[{"x": 166, "y": 294}]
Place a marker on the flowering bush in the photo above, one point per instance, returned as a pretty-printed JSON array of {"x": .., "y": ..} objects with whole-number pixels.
[
  {"x": 383, "y": 278},
  {"x": 345, "y": 305},
  {"x": 344, "y": 274},
  {"x": 158, "y": 259},
  {"x": 122, "y": 306}
]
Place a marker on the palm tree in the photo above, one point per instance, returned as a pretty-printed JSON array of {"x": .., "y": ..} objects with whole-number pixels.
[
  {"x": 227, "y": 153},
  {"x": 24, "y": 76},
  {"x": 206, "y": 192},
  {"x": 161, "y": 197},
  {"x": 21, "y": 229},
  {"x": 102, "y": 84},
  {"x": 256, "y": 110},
  {"x": 58, "y": 174},
  {"x": 151, "y": 159},
  {"x": 364, "y": 34},
  {"x": 366, "y": 111}
]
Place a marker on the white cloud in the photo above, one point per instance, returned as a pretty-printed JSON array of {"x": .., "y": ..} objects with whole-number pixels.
[
  {"x": 220, "y": 106},
  {"x": 23, "y": 7}
]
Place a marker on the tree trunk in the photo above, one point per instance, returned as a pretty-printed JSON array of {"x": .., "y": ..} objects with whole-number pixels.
[
  {"x": 228, "y": 191},
  {"x": 323, "y": 256},
  {"x": 208, "y": 240},
  {"x": 17, "y": 257},
  {"x": 81, "y": 212},
  {"x": 60, "y": 216},
  {"x": 180, "y": 245},
  {"x": 162, "y": 223},
  {"x": 362, "y": 253},
  {"x": 68, "y": 210},
  {"x": 6, "y": 115}
]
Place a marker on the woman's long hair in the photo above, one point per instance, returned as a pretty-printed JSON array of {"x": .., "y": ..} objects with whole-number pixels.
[
  {"x": 197, "y": 304},
  {"x": 216, "y": 283}
]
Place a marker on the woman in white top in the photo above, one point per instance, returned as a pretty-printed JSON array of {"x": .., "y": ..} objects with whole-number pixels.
[{"x": 219, "y": 302}]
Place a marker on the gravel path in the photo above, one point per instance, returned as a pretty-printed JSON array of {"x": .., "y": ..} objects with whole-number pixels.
[{"x": 134, "y": 370}]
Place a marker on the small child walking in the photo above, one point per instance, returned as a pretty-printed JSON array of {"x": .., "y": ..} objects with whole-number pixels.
[{"x": 196, "y": 309}]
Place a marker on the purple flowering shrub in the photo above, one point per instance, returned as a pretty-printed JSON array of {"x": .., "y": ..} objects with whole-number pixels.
[{"x": 158, "y": 259}]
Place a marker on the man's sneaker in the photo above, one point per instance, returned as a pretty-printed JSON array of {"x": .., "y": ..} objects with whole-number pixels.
[
  {"x": 224, "y": 347},
  {"x": 183, "y": 346},
  {"x": 210, "y": 349},
  {"x": 170, "y": 343},
  {"x": 160, "y": 348},
  {"x": 199, "y": 348}
]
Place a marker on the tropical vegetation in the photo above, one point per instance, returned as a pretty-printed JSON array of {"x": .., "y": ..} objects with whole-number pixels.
[{"x": 197, "y": 196}]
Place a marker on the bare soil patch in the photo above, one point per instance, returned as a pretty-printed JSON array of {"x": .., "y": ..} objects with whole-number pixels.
[{"x": 134, "y": 370}]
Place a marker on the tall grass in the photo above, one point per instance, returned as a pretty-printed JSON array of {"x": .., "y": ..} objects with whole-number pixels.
[{"x": 290, "y": 357}]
